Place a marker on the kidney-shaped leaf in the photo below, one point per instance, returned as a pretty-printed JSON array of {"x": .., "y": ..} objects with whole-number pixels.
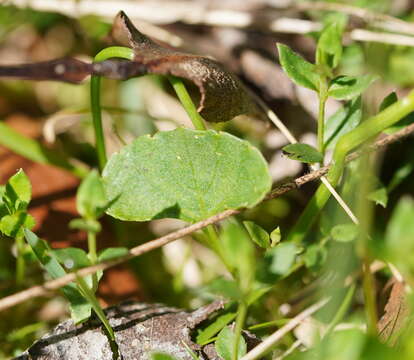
[{"x": 185, "y": 174}]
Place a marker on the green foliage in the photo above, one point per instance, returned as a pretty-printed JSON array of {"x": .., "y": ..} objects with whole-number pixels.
[
  {"x": 224, "y": 344},
  {"x": 345, "y": 232},
  {"x": 390, "y": 99},
  {"x": 72, "y": 258},
  {"x": 379, "y": 196},
  {"x": 399, "y": 236},
  {"x": 282, "y": 258},
  {"x": 329, "y": 49},
  {"x": 315, "y": 256},
  {"x": 275, "y": 236},
  {"x": 226, "y": 288},
  {"x": 204, "y": 336},
  {"x": 79, "y": 306},
  {"x": 200, "y": 173},
  {"x": 343, "y": 121},
  {"x": 257, "y": 234},
  {"x": 349, "y": 87},
  {"x": 303, "y": 153},
  {"x": 302, "y": 72},
  {"x": 111, "y": 253}
]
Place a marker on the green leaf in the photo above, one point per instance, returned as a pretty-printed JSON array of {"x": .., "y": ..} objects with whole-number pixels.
[
  {"x": 86, "y": 225},
  {"x": 303, "y": 153},
  {"x": 238, "y": 250},
  {"x": 205, "y": 336},
  {"x": 162, "y": 356},
  {"x": 349, "y": 87},
  {"x": 80, "y": 308},
  {"x": 399, "y": 235},
  {"x": 224, "y": 344},
  {"x": 315, "y": 256},
  {"x": 275, "y": 236},
  {"x": 400, "y": 175},
  {"x": 345, "y": 232},
  {"x": 329, "y": 49},
  {"x": 185, "y": 174},
  {"x": 91, "y": 201},
  {"x": 343, "y": 121},
  {"x": 408, "y": 120},
  {"x": 257, "y": 234},
  {"x": 13, "y": 225},
  {"x": 283, "y": 257},
  {"x": 18, "y": 192},
  {"x": 379, "y": 196},
  {"x": 112, "y": 253},
  {"x": 226, "y": 288},
  {"x": 72, "y": 258},
  {"x": 302, "y": 72}
]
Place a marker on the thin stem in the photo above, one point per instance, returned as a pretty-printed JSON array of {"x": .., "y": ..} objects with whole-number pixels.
[
  {"x": 20, "y": 264},
  {"x": 93, "y": 256},
  {"x": 110, "y": 52},
  {"x": 187, "y": 103},
  {"x": 369, "y": 296},
  {"x": 90, "y": 296},
  {"x": 343, "y": 308},
  {"x": 366, "y": 131},
  {"x": 241, "y": 317},
  {"x": 323, "y": 97},
  {"x": 214, "y": 243}
]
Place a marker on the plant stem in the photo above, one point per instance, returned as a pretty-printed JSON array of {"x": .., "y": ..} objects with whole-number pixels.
[
  {"x": 366, "y": 131},
  {"x": 20, "y": 264},
  {"x": 323, "y": 97},
  {"x": 93, "y": 256},
  {"x": 343, "y": 308},
  {"x": 187, "y": 103},
  {"x": 241, "y": 317},
  {"x": 214, "y": 243},
  {"x": 90, "y": 296},
  {"x": 369, "y": 296},
  {"x": 110, "y": 52}
]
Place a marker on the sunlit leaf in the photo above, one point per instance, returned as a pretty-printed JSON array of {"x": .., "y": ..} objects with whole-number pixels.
[
  {"x": 275, "y": 236},
  {"x": 298, "y": 69},
  {"x": 13, "y": 225},
  {"x": 185, "y": 174},
  {"x": 18, "y": 192}
]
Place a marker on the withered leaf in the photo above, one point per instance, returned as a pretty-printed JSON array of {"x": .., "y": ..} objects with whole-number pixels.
[
  {"x": 222, "y": 95},
  {"x": 395, "y": 313}
]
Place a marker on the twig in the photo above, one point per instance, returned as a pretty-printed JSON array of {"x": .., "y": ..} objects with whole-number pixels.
[
  {"x": 280, "y": 190},
  {"x": 269, "y": 342}
]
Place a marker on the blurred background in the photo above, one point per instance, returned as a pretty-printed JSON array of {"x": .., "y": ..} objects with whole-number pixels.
[{"x": 240, "y": 34}]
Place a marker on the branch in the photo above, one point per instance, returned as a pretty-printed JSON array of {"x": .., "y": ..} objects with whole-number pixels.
[{"x": 42, "y": 290}]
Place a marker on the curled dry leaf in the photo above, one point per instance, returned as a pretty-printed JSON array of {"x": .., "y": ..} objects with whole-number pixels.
[{"x": 222, "y": 95}]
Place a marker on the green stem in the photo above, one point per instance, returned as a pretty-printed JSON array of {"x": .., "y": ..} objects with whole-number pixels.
[
  {"x": 105, "y": 54},
  {"x": 187, "y": 103},
  {"x": 369, "y": 296},
  {"x": 20, "y": 264},
  {"x": 366, "y": 131},
  {"x": 241, "y": 317},
  {"x": 90, "y": 296},
  {"x": 93, "y": 256},
  {"x": 343, "y": 308},
  {"x": 323, "y": 97},
  {"x": 215, "y": 245}
]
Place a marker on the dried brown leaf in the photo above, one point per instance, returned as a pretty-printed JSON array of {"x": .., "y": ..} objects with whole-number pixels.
[{"x": 395, "y": 314}]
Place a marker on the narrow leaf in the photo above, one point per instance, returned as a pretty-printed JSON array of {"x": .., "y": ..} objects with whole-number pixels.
[
  {"x": 257, "y": 234},
  {"x": 329, "y": 49},
  {"x": 303, "y": 153},
  {"x": 302, "y": 72},
  {"x": 349, "y": 87}
]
